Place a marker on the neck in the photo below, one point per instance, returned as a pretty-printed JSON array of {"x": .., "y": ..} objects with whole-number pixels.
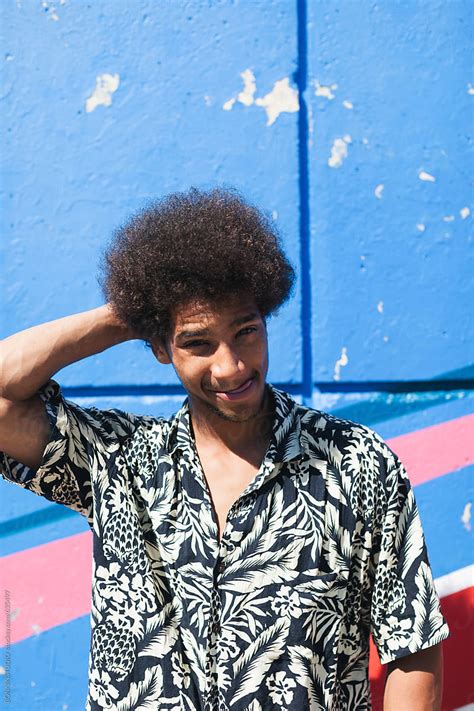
[{"x": 216, "y": 431}]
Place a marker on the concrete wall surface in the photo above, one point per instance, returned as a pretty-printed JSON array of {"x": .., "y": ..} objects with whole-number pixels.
[{"x": 350, "y": 124}]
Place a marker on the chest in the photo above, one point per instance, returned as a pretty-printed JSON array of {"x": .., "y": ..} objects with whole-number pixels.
[{"x": 226, "y": 479}]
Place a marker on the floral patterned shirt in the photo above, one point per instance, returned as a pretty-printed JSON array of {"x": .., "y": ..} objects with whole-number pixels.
[{"x": 323, "y": 547}]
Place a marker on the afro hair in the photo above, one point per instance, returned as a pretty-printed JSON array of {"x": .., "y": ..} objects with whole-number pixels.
[{"x": 188, "y": 247}]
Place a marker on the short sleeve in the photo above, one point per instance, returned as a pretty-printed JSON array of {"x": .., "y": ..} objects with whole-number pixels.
[
  {"x": 82, "y": 440},
  {"x": 405, "y": 610}
]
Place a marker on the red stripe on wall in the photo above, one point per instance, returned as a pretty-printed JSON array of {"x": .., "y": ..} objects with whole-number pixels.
[
  {"x": 437, "y": 450},
  {"x": 458, "y": 652}
]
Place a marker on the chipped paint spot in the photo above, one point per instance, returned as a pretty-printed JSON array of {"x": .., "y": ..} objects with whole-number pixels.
[
  {"x": 246, "y": 95},
  {"x": 208, "y": 100},
  {"x": 421, "y": 227},
  {"x": 9, "y": 57},
  {"x": 282, "y": 98},
  {"x": 464, "y": 212},
  {"x": 448, "y": 218},
  {"x": 33, "y": 683},
  {"x": 386, "y": 339},
  {"x": 378, "y": 191},
  {"x": 36, "y": 628},
  {"x": 348, "y": 104},
  {"x": 250, "y": 87},
  {"x": 40, "y": 600},
  {"x": 339, "y": 151},
  {"x": 340, "y": 363},
  {"x": 325, "y": 91},
  {"x": 105, "y": 86},
  {"x": 365, "y": 141},
  {"x": 466, "y": 516},
  {"x": 470, "y": 89},
  {"x": 380, "y": 307},
  {"x": 51, "y": 10},
  {"x": 423, "y": 175},
  {"x": 275, "y": 214},
  {"x": 14, "y": 613},
  {"x": 2, "y": 670}
]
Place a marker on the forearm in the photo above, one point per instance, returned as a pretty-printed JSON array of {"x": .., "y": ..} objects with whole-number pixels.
[
  {"x": 415, "y": 682},
  {"x": 29, "y": 358}
]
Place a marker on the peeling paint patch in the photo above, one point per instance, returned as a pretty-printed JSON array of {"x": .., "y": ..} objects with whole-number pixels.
[
  {"x": 448, "y": 218},
  {"x": 378, "y": 191},
  {"x": 325, "y": 91},
  {"x": 464, "y": 212},
  {"x": 339, "y": 151},
  {"x": 470, "y": 89},
  {"x": 421, "y": 227},
  {"x": 105, "y": 86},
  {"x": 282, "y": 98},
  {"x": 423, "y": 175},
  {"x": 250, "y": 87},
  {"x": 246, "y": 95},
  {"x": 380, "y": 307},
  {"x": 466, "y": 516},
  {"x": 340, "y": 363},
  {"x": 348, "y": 104}
]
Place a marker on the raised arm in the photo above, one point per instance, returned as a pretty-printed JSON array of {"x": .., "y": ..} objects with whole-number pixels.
[{"x": 28, "y": 359}]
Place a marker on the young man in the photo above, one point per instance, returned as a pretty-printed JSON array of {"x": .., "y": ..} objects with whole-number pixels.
[{"x": 245, "y": 548}]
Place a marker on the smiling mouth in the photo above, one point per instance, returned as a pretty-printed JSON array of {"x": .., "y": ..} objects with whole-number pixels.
[{"x": 242, "y": 388}]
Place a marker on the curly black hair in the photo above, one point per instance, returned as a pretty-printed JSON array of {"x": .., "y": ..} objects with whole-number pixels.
[{"x": 191, "y": 246}]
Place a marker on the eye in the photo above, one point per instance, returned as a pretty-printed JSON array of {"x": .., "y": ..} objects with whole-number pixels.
[
  {"x": 195, "y": 344},
  {"x": 248, "y": 329}
]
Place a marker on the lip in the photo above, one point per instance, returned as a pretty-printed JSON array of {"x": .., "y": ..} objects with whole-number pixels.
[{"x": 239, "y": 393}]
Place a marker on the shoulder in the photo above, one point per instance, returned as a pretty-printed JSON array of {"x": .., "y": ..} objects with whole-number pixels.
[
  {"x": 101, "y": 427},
  {"x": 320, "y": 428}
]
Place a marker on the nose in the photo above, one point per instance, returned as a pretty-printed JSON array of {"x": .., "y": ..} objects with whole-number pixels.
[{"x": 226, "y": 365}]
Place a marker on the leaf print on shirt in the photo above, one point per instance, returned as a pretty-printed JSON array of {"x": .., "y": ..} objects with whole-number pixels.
[{"x": 252, "y": 666}]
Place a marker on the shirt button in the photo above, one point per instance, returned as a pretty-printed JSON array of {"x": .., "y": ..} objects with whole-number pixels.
[{"x": 216, "y": 627}]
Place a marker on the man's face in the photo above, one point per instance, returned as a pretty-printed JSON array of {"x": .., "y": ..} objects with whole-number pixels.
[{"x": 220, "y": 354}]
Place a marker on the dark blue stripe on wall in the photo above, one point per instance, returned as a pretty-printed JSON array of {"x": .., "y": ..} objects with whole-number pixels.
[{"x": 303, "y": 162}]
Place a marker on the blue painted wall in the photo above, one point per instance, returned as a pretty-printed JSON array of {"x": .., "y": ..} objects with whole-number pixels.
[{"x": 349, "y": 122}]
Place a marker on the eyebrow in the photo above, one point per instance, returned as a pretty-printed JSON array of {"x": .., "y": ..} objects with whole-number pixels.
[{"x": 204, "y": 331}]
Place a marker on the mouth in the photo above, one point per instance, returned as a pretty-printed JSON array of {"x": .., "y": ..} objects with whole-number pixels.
[{"x": 239, "y": 392}]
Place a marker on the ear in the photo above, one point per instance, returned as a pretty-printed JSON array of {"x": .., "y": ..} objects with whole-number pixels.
[{"x": 161, "y": 352}]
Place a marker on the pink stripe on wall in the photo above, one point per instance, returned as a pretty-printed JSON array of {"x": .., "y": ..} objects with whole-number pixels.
[
  {"x": 47, "y": 585},
  {"x": 437, "y": 450}
]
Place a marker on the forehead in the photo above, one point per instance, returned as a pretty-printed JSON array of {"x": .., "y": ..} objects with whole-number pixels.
[{"x": 210, "y": 314}]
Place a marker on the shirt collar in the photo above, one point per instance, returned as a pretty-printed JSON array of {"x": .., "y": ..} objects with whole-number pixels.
[{"x": 284, "y": 444}]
